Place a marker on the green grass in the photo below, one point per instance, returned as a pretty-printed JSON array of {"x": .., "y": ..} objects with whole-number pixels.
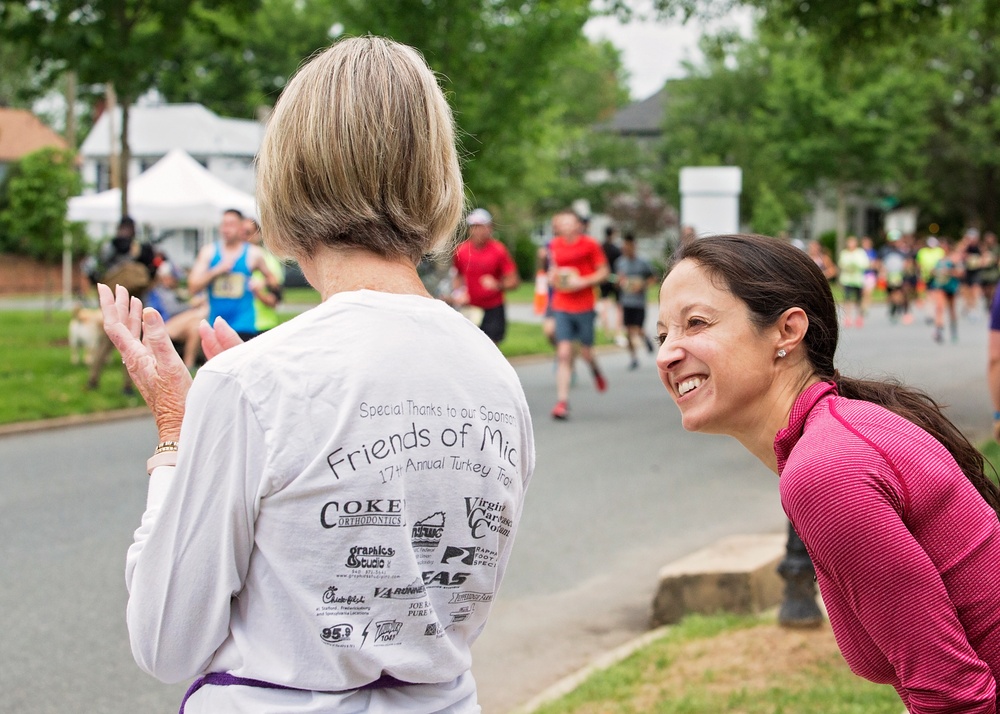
[
  {"x": 37, "y": 380},
  {"x": 525, "y": 293},
  {"x": 991, "y": 450},
  {"x": 525, "y": 339},
  {"x": 300, "y": 296},
  {"x": 706, "y": 665}
]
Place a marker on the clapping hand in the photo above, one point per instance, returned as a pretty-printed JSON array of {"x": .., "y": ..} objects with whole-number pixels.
[{"x": 150, "y": 358}]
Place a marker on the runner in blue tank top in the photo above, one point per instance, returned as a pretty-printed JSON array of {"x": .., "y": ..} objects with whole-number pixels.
[
  {"x": 229, "y": 296},
  {"x": 224, "y": 268}
]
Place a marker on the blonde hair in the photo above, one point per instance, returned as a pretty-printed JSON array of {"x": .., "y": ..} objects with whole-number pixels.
[{"x": 360, "y": 152}]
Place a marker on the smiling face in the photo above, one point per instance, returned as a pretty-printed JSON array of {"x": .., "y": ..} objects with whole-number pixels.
[{"x": 718, "y": 367}]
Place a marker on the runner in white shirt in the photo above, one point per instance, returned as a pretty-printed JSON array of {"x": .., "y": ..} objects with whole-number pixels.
[{"x": 328, "y": 527}]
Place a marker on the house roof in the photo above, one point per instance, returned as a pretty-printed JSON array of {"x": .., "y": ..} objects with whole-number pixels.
[
  {"x": 21, "y": 133},
  {"x": 155, "y": 130},
  {"x": 642, "y": 118}
]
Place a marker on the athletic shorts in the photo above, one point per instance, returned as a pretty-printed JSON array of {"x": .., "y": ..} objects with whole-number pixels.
[
  {"x": 634, "y": 316},
  {"x": 494, "y": 323},
  {"x": 575, "y": 327},
  {"x": 610, "y": 290},
  {"x": 852, "y": 293}
]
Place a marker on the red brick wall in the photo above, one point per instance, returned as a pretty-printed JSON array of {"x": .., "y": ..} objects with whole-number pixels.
[{"x": 23, "y": 276}]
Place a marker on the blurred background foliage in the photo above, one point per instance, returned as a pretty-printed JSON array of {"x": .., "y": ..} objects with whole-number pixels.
[{"x": 888, "y": 98}]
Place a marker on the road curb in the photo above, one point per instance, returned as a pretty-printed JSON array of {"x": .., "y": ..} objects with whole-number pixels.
[
  {"x": 716, "y": 557},
  {"x": 571, "y": 682},
  {"x": 27, "y": 427}
]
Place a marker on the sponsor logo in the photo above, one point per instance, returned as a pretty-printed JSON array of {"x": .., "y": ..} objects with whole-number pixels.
[
  {"x": 370, "y": 512},
  {"x": 337, "y": 633},
  {"x": 427, "y": 533},
  {"x": 331, "y": 597},
  {"x": 407, "y": 592},
  {"x": 487, "y": 516},
  {"x": 470, "y": 555},
  {"x": 464, "y": 555},
  {"x": 462, "y": 614},
  {"x": 377, "y": 557},
  {"x": 386, "y": 631},
  {"x": 469, "y": 596},
  {"x": 433, "y": 630},
  {"x": 443, "y": 578}
]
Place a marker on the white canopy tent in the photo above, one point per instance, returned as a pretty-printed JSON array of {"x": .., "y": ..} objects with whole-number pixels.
[
  {"x": 176, "y": 192},
  {"x": 176, "y": 196}
]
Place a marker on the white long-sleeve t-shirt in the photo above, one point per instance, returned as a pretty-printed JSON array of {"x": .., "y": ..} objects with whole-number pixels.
[{"x": 345, "y": 500}]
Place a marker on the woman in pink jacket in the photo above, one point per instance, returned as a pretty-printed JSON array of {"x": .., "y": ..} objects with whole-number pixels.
[{"x": 890, "y": 499}]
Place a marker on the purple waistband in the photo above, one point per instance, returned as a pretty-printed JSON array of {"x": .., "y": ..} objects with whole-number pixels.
[{"x": 225, "y": 679}]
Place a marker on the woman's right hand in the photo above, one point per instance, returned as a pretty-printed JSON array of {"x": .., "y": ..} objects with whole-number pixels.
[
  {"x": 217, "y": 337},
  {"x": 149, "y": 356}
]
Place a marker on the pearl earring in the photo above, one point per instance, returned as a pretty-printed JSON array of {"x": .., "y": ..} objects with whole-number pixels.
[{"x": 781, "y": 353}]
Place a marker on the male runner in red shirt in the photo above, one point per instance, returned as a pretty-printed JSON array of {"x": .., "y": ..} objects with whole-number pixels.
[
  {"x": 577, "y": 265},
  {"x": 484, "y": 270}
]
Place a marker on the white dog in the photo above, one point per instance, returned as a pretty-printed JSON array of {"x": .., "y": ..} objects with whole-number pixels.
[{"x": 86, "y": 329}]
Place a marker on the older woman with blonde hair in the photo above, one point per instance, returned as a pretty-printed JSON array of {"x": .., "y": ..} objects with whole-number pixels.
[{"x": 332, "y": 505}]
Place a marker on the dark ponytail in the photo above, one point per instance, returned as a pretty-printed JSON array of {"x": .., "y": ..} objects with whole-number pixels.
[
  {"x": 920, "y": 408},
  {"x": 771, "y": 276}
]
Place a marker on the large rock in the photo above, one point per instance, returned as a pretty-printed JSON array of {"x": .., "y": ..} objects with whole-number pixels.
[{"x": 735, "y": 574}]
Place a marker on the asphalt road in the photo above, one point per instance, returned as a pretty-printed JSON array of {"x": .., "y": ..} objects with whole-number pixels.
[{"x": 619, "y": 491}]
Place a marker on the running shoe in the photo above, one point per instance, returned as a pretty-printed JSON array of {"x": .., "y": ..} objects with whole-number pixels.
[
  {"x": 649, "y": 344},
  {"x": 600, "y": 382},
  {"x": 561, "y": 411},
  {"x": 634, "y": 364}
]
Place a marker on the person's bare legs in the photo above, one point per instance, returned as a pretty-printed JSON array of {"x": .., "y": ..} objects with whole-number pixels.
[
  {"x": 564, "y": 369},
  {"x": 549, "y": 329},
  {"x": 183, "y": 328},
  {"x": 101, "y": 354},
  {"x": 587, "y": 353},
  {"x": 634, "y": 336}
]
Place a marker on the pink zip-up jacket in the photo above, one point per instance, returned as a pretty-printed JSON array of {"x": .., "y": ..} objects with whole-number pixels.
[{"x": 907, "y": 553}]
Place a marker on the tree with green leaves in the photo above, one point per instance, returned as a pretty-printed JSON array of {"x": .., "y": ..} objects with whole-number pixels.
[
  {"x": 717, "y": 116},
  {"x": 33, "y": 216},
  {"x": 119, "y": 43},
  {"x": 236, "y": 64},
  {"x": 520, "y": 74},
  {"x": 799, "y": 126}
]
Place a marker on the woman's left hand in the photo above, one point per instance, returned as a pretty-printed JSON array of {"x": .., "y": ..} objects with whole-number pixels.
[{"x": 149, "y": 355}]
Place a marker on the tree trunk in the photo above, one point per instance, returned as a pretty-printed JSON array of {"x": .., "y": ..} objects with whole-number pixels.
[
  {"x": 71, "y": 110},
  {"x": 125, "y": 155}
]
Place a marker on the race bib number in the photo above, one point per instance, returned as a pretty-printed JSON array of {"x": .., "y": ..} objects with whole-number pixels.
[
  {"x": 231, "y": 285},
  {"x": 634, "y": 284},
  {"x": 566, "y": 277}
]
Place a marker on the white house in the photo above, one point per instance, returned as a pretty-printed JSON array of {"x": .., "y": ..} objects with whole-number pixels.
[{"x": 224, "y": 146}]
